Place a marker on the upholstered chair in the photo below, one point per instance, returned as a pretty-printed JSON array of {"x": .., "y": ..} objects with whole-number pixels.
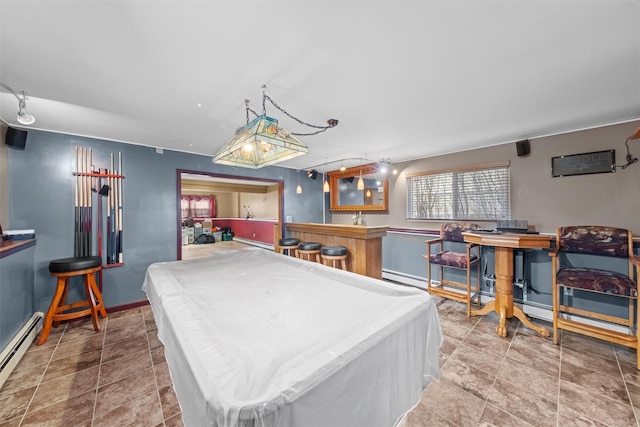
[
  {"x": 447, "y": 252},
  {"x": 595, "y": 279}
]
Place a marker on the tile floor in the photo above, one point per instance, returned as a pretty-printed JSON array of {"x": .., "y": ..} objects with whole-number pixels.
[
  {"x": 119, "y": 377},
  {"x": 526, "y": 380},
  {"x": 80, "y": 377}
]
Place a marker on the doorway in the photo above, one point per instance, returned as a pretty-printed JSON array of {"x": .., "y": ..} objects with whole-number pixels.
[{"x": 251, "y": 206}]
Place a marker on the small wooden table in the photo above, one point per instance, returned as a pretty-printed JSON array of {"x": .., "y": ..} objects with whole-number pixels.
[{"x": 504, "y": 244}]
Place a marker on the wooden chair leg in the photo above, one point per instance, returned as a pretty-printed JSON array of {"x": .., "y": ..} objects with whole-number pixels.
[
  {"x": 48, "y": 319},
  {"x": 62, "y": 301},
  {"x": 98, "y": 295},
  {"x": 92, "y": 303}
]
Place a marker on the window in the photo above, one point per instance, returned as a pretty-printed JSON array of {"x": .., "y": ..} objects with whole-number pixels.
[
  {"x": 198, "y": 207},
  {"x": 480, "y": 192}
]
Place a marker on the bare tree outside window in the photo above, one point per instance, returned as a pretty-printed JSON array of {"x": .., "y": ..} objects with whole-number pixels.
[{"x": 479, "y": 192}]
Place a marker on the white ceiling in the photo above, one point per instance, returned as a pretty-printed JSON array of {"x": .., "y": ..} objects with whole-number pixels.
[{"x": 406, "y": 79}]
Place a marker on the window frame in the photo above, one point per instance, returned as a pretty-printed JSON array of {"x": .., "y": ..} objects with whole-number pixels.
[{"x": 455, "y": 198}]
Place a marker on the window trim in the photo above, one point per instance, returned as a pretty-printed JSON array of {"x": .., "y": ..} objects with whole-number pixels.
[
  {"x": 463, "y": 169},
  {"x": 469, "y": 168}
]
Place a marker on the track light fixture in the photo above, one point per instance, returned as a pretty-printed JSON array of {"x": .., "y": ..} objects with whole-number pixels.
[
  {"x": 385, "y": 167},
  {"x": 23, "y": 118},
  {"x": 313, "y": 174}
]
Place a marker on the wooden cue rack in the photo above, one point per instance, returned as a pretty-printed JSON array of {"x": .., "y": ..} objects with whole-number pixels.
[{"x": 107, "y": 185}]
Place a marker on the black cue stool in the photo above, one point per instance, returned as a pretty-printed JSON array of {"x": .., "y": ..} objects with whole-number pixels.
[
  {"x": 334, "y": 254},
  {"x": 289, "y": 244},
  {"x": 309, "y": 251},
  {"x": 59, "y": 311}
]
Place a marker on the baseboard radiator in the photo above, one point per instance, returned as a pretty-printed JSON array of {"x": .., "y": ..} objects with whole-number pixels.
[{"x": 19, "y": 345}]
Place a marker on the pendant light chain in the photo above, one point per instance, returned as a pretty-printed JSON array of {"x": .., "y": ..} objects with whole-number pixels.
[
  {"x": 247, "y": 109},
  {"x": 330, "y": 123}
]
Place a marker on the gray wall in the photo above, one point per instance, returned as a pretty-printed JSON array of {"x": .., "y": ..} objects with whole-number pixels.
[
  {"x": 546, "y": 202},
  {"x": 41, "y": 197}
]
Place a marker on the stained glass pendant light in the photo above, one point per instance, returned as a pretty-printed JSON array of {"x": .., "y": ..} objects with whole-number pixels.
[{"x": 262, "y": 141}]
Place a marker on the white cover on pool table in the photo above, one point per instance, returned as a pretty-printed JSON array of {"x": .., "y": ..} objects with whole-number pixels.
[{"x": 256, "y": 338}]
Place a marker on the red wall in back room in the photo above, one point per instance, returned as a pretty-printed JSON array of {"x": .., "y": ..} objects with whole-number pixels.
[{"x": 261, "y": 231}]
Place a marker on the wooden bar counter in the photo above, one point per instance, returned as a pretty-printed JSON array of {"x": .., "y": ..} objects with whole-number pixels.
[{"x": 363, "y": 243}]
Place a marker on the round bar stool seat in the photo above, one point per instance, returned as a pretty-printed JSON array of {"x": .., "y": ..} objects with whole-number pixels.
[
  {"x": 289, "y": 244},
  {"x": 309, "y": 251},
  {"x": 334, "y": 254},
  {"x": 59, "y": 310}
]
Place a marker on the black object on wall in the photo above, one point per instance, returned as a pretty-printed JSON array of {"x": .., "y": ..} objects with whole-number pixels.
[
  {"x": 584, "y": 163},
  {"x": 16, "y": 138},
  {"x": 523, "y": 148}
]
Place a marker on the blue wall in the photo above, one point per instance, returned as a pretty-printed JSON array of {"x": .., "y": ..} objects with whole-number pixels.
[
  {"x": 16, "y": 296},
  {"x": 41, "y": 197}
]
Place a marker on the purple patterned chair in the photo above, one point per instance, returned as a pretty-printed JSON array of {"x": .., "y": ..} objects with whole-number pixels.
[
  {"x": 589, "y": 242},
  {"x": 452, "y": 252}
]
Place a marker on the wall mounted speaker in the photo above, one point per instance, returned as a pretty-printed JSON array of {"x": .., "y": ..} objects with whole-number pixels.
[
  {"x": 523, "y": 148},
  {"x": 16, "y": 138}
]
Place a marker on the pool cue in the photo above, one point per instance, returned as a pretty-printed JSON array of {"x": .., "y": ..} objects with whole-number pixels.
[
  {"x": 99, "y": 206},
  {"x": 113, "y": 214},
  {"x": 102, "y": 193},
  {"x": 99, "y": 201},
  {"x": 109, "y": 219},
  {"x": 114, "y": 223},
  {"x": 76, "y": 247},
  {"x": 120, "y": 251},
  {"x": 90, "y": 200},
  {"x": 83, "y": 195},
  {"x": 86, "y": 203},
  {"x": 82, "y": 210}
]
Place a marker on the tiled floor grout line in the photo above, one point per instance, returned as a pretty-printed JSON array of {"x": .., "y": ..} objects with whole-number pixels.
[
  {"x": 558, "y": 388},
  {"x": 24, "y": 415},
  {"x": 486, "y": 401},
  {"x": 153, "y": 366},
  {"x": 104, "y": 340},
  {"x": 626, "y": 387}
]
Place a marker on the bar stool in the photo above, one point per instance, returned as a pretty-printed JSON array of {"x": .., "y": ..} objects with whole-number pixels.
[
  {"x": 309, "y": 251},
  {"x": 289, "y": 244},
  {"x": 58, "y": 311},
  {"x": 334, "y": 254}
]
